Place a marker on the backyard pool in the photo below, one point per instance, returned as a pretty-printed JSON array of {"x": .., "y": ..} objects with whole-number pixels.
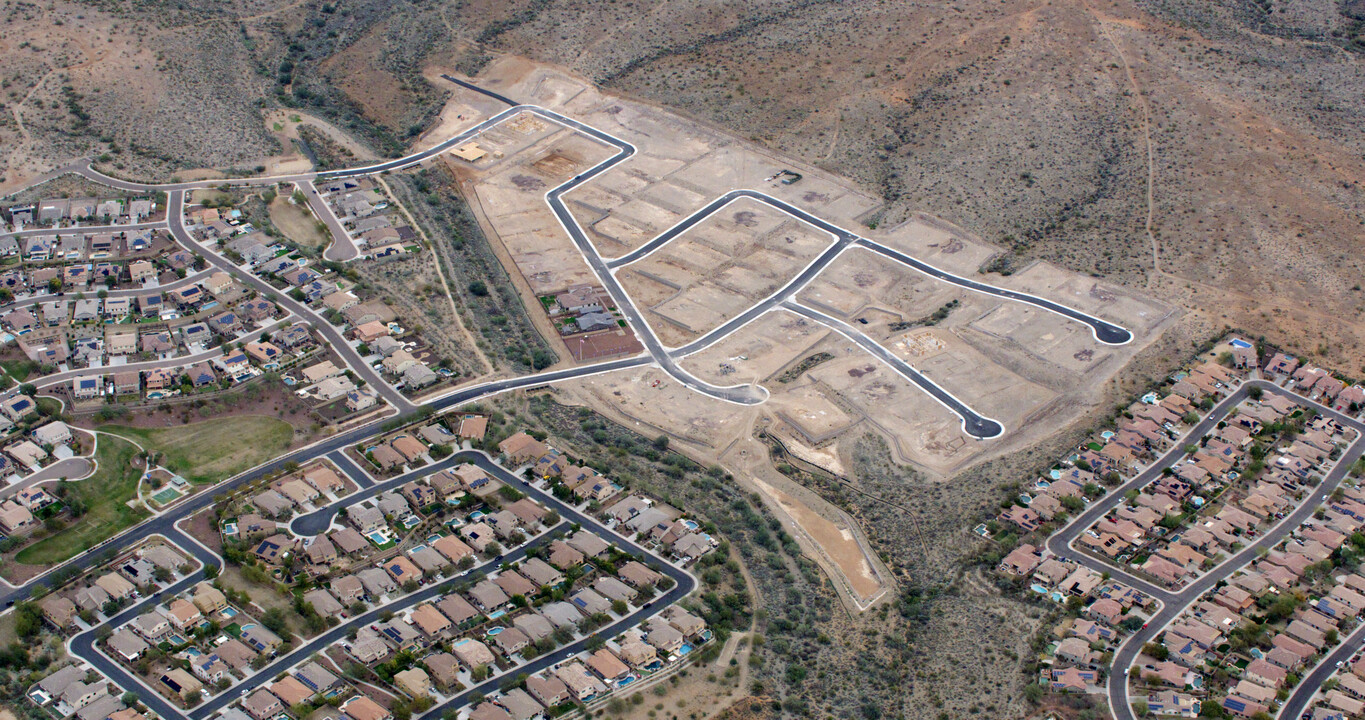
[
  {"x": 496, "y": 614},
  {"x": 229, "y": 612},
  {"x": 494, "y": 631},
  {"x": 1056, "y": 597},
  {"x": 628, "y": 680},
  {"x": 377, "y": 537},
  {"x": 475, "y": 515},
  {"x": 1240, "y": 343},
  {"x": 416, "y": 548},
  {"x": 1035, "y": 587},
  {"x": 1055, "y": 474},
  {"x": 691, "y": 525},
  {"x": 1107, "y": 434},
  {"x": 684, "y": 650}
]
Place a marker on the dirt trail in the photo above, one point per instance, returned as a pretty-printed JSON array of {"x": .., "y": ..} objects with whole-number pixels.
[{"x": 1102, "y": 21}]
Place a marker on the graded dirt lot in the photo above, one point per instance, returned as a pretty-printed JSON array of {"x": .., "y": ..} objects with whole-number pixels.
[
  {"x": 528, "y": 156},
  {"x": 724, "y": 264}
]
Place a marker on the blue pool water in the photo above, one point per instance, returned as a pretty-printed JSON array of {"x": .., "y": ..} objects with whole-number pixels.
[
  {"x": 431, "y": 539},
  {"x": 690, "y": 525},
  {"x": 229, "y": 612},
  {"x": 1035, "y": 587},
  {"x": 629, "y": 679},
  {"x": 378, "y": 538},
  {"x": 496, "y": 614},
  {"x": 1056, "y": 474},
  {"x": 1056, "y": 597},
  {"x": 1240, "y": 343},
  {"x": 1107, "y": 434},
  {"x": 416, "y": 548},
  {"x": 685, "y": 649},
  {"x": 1043, "y": 484},
  {"x": 494, "y": 631},
  {"x": 475, "y": 515}
]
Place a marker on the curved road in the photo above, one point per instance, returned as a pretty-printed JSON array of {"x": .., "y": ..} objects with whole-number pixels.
[
  {"x": 84, "y": 644},
  {"x": 973, "y": 423},
  {"x": 1175, "y": 602}
]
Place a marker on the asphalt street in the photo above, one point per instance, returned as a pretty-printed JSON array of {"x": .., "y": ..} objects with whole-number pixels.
[
  {"x": 344, "y": 463},
  {"x": 319, "y": 520},
  {"x": 973, "y": 423},
  {"x": 86, "y": 230},
  {"x": 176, "y": 219},
  {"x": 84, "y": 644},
  {"x": 343, "y": 247},
  {"x": 1174, "y": 602},
  {"x": 212, "y": 353},
  {"x": 30, "y": 300}
]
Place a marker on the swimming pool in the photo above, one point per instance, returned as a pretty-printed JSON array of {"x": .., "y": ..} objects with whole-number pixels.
[
  {"x": 230, "y": 528},
  {"x": 1240, "y": 343},
  {"x": 377, "y": 537},
  {"x": 1056, "y": 597},
  {"x": 691, "y": 525},
  {"x": 475, "y": 515},
  {"x": 229, "y": 612},
  {"x": 684, "y": 650},
  {"x": 431, "y": 539},
  {"x": 416, "y": 548},
  {"x": 496, "y": 614},
  {"x": 1055, "y": 474},
  {"x": 494, "y": 631},
  {"x": 1107, "y": 434},
  {"x": 1035, "y": 587},
  {"x": 626, "y": 681}
]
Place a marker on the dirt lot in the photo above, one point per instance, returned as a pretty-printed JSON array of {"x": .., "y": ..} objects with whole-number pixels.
[{"x": 298, "y": 224}]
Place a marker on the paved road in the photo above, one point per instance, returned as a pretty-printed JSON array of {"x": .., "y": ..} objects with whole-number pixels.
[
  {"x": 683, "y": 585},
  {"x": 319, "y": 520},
  {"x": 176, "y": 218},
  {"x": 72, "y": 468},
  {"x": 1303, "y": 694},
  {"x": 343, "y": 247},
  {"x": 86, "y": 230},
  {"x": 357, "y": 475},
  {"x": 84, "y": 644},
  {"x": 212, "y": 353},
  {"x": 1104, "y": 331},
  {"x": 973, "y": 423},
  {"x": 1174, "y": 602},
  {"x": 165, "y": 523},
  {"x": 29, "y": 300}
]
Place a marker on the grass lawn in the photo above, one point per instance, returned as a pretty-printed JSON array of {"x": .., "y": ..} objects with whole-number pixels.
[
  {"x": 213, "y": 450},
  {"x": 106, "y": 494},
  {"x": 49, "y": 406}
]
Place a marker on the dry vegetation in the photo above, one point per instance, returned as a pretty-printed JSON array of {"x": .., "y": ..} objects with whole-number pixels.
[{"x": 1026, "y": 123}]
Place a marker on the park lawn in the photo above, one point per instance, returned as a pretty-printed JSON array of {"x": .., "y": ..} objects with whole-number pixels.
[
  {"x": 106, "y": 495},
  {"x": 213, "y": 450}
]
